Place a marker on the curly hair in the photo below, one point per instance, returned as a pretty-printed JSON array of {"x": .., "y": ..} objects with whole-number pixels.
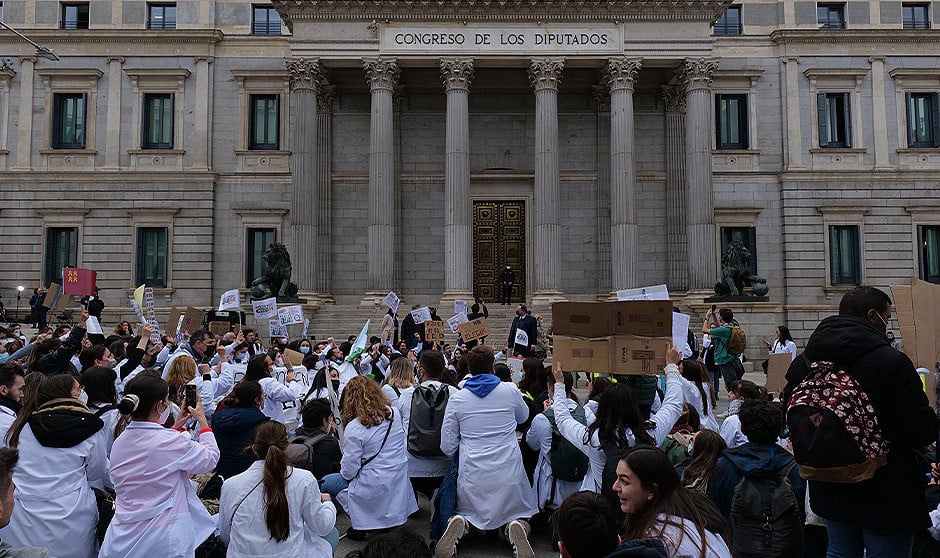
[
  {"x": 181, "y": 371},
  {"x": 363, "y": 399}
]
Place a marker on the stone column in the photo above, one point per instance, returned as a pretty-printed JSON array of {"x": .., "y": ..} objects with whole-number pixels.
[
  {"x": 619, "y": 75},
  {"x": 457, "y": 74},
  {"x": 324, "y": 195},
  {"x": 676, "y": 240},
  {"x": 696, "y": 76},
  {"x": 304, "y": 76},
  {"x": 202, "y": 116},
  {"x": 600, "y": 101},
  {"x": 545, "y": 75},
  {"x": 24, "y": 142},
  {"x": 112, "y": 150},
  {"x": 383, "y": 74}
]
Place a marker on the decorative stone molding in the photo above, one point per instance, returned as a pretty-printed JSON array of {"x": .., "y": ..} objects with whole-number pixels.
[
  {"x": 673, "y": 98},
  {"x": 326, "y": 97},
  {"x": 457, "y": 73},
  {"x": 381, "y": 73},
  {"x": 545, "y": 73},
  {"x": 6, "y": 70},
  {"x": 697, "y": 73},
  {"x": 620, "y": 73},
  {"x": 304, "y": 74}
]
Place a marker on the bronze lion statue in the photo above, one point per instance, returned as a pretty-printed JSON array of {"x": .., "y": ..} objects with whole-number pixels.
[
  {"x": 736, "y": 272},
  {"x": 276, "y": 278}
]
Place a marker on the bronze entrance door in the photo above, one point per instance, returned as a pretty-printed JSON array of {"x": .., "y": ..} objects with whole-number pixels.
[{"x": 498, "y": 240}]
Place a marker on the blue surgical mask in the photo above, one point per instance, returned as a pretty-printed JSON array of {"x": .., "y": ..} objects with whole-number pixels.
[
  {"x": 305, "y": 350},
  {"x": 241, "y": 357},
  {"x": 887, "y": 327},
  {"x": 4, "y": 358}
]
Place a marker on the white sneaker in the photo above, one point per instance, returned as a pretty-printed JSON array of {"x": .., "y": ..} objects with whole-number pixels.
[
  {"x": 457, "y": 527},
  {"x": 517, "y": 532}
]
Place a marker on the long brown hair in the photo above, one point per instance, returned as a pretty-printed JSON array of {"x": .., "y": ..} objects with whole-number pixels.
[
  {"x": 698, "y": 375},
  {"x": 181, "y": 371},
  {"x": 38, "y": 390},
  {"x": 363, "y": 399},
  {"x": 706, "y": 449},
  {"x": 270, "y": 445}
]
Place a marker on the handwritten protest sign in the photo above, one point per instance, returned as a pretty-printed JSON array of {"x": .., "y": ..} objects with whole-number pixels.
[
  {"x": 172, "y": 323},
  {"x": 474, "y": 329},
  {"x": 289, "y": 315},
  {"x": 434, "y": 330},
  {"x": 455, "y": 321},
  {"x": 219, "y": 328},
  {"x": 264, "y": 309},
  {"x": 421, "y": 315}
]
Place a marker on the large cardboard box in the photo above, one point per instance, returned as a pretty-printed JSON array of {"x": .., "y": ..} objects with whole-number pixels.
[
  {"x": 632, "y": 354},
  {"x": 581, "y": 319},
  {"x": 582, "y": 354},
  {"x": 644, "y": 318}
]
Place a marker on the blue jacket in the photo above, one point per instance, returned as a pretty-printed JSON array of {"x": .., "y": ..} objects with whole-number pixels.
[
  {"x": 750, "y": 458},
  {"x": 234, "y": 429}
]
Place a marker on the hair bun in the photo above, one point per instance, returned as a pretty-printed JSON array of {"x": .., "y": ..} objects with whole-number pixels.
[{"x": 129, "y": 404}]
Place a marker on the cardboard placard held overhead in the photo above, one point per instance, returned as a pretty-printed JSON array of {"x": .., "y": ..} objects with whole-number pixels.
[
  {"x": 474, "y": 329},
  {"x": 49, "y": 300},
  {"x": 193, "y": 319},
  {"x": 434, "y": 331},
  {"x": 777, "y": 366},
  {"x": 219, "y": 328},
  {"x": 173, "y": 321},
  {"x": 919, "y": 327},
  {"x": 578, "y": 354},
  {"x": 296, "y": 358},
  {"x": 580, "y": 319}
]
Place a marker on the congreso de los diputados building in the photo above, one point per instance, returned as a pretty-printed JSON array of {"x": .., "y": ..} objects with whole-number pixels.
[{"x": 421, "y": 146}]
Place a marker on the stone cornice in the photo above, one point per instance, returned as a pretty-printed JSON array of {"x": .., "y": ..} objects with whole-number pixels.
[
  {"x": 142, "y": 36},
  {"x": 868, "y": 36}
]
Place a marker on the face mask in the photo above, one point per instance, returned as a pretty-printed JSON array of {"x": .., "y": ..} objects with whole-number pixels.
[
  {"x": 305, "y": 350},
  {"x": 83, "y": 397},
  {"x": 887, "y": 327},
  {"x": 4, "y": 358},
  {"x": 335, "y": 384},
  {"x": 241, "y": 357},
  {"x": 279, "y": 362},
  {"x": 164, "y": 415},
  {"x": 112, "y": 362}
]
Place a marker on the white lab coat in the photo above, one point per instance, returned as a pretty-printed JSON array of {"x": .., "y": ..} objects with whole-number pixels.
[
  {"x": 422, "y": 466},
  {"x": 694, "y": 399},
  {"x": 245, "y": 530},
  {"x": 492, "y": 488},
  {"x": 539, "y": 437},
  {"x": 157, "y": 512},
  {"x": 389, "y": 392},
  {"x": 347, "y": 371},
  {"x": 379, "y": 494},
  {"x": 54, "y": 503},
  {"x": 276, "y": 395},
  {"x": 7, "y": 416},
  {"x": 110, "y": 419},
  {"x": 785, "y": 347},
  {"x": 574, "y": 431},
  {"x": 731, "y": 432},
  {"x": 685, "y": 541}
]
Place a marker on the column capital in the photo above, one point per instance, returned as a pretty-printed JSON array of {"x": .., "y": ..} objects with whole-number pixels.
[
  {"x": 325, "y": 98},
  {"x": 673, "y": 98},
  {"x": 118, "y": 59},
  {"x": 457, "y": 73},
  {"x": 31, "y": 59},
  {"x": 206, "y": 59},
  {"x": 696, "y": 73},
  {"x": 382, "y": 73},
  {"x": 545, "y": 73},
  {"x": 620, "y": 73},
  {"x": 304, "y": 74}
]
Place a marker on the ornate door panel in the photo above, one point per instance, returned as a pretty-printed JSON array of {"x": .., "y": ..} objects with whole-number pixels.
[{"x": 498, "y": 240}]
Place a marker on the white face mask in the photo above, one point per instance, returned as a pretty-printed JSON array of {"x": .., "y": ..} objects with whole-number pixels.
[
  {"x": 83, "y": 397},
  {"x": 112, "y": 362},
  {"x": 164, "y": 415}
]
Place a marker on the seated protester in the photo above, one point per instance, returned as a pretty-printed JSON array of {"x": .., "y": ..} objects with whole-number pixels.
[
  {"x": 543, "y": 437},
  {"x": 739, "y": 391},
  {"x": 760, "y": 458},
  {"x": 12, "y": 382},
  {"x": 273, "y": 509},
  {"x": 698, "y": 392},
  {"x": 658, "y": 507},
  {"x": 259, "y": 369},
  {"x": 397, "y": 543},
  {"x": 316, "y": 442},
  {"x": 375, "y": 463},
  {"x": 588, "y": 528},
  {"x": 157, "y": 512},
  {"x": 63, "y": 457},
  {"x": 401, "y": 376},
  {"x": 319, "y": 387},
  {"x": 596, "y": 387},
  {"x": 502, "y": 371},
  {"x": 426, "y": 471},
  {"x": 234, "y": 426},
  {"x": 54, "y": 356},
  {"x": 98, "y": 385},
  {"x": 8, "y": 459},
  {"x": 705, "y": 449}
]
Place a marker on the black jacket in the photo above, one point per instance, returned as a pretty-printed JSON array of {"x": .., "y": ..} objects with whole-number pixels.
[
  {"x": 892, "y": 500},
  {"x": 59, "y": 360},
  {"x": 234, "y": 429}
]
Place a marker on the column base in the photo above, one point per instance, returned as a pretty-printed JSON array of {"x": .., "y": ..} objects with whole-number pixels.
[
  {"x": 315, "y": 299},
  {"x": 448, "y": 298},
  {"x": 373, "y": 298},
  {"x": 542, "y": 299}
]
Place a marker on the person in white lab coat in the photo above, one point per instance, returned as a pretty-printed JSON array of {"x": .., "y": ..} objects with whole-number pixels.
[
  {"x": 99, "y": 385},
  {"x": 62, "y": 457},
  {"x": 698, "y": 392},
  {"x": 401, "y": 376},
  {"x": 273, "y": 509},
  {"x": 157, "y": 511},
  {"x": 374, "y": 461},
  {"x": 275, "y": 393},
  {"x": 12, "y": 382},
  {"x": 492, "y": 489}
]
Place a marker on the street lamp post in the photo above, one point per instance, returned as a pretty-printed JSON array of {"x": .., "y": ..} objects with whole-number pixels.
[
  {"x": 41, "y": 51},
  {"x": 19, "y": 295}
]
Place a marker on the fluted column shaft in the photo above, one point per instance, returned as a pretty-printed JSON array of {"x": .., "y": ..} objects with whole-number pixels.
[
  {"x": 620, "y": 75},
  {"x": 382, "y": 77},
  {"x": 676, "y": 238},
  {"x": 703, "y": 260},
  {"x": 304, "y": 75},
  {"x": 457, "y": 74},
  {"x": 545, "y": 75},
  {"x": 324, "y": 197}
]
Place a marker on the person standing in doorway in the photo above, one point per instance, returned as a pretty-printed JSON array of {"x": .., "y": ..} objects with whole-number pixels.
[{"x": 506, "y": 279}]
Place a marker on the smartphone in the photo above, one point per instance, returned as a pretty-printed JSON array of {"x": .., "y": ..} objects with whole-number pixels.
[
  {"x": 190, "y": 395},
  {"x": 714, "y": 307}
]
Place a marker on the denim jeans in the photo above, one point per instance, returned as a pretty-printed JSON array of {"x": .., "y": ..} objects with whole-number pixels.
[
  {"x": 850, "y": 541},
  {"x": 333, "y": 484}
]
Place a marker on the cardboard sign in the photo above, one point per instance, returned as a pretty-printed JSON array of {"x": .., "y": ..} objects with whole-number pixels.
[
  {"x": 193, "y": 319},
  {"x": 230, "y": 300},
  {"x": 421, "y": 315},
  {"x": 296, "y": 358},
  {"x": 582, "y": 355},
  {"x": 473, "y": 329},
  {"x": 644, "y": 318},
  {"x": 275, "y": 329},
  {"x": 290, "y": 315},
  {"x": 777, "y": 366},
  {"x": 630, "y": 354},
  {"x": 219, "y": 328},
  {"x": 51, "y": 296},
  {"x": 264, "y": 309},
  {"x": 392, "y": 301},
  {"x": 434, "y": 331},
  {"x": 455, "y": 321},
  {"x": 580, "y": 319},
  {"x": 172, "y": 323},
  {"x": 656, "y": 292},
  {"x": 460, "y": 306}
]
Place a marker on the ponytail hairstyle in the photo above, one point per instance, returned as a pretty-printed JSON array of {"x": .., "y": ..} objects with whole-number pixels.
[
  {"x": 696, "y": 373},
  {"x": 39, "y": 389},
  {"x": 141, "y": 395},
  {"x": 245, "y": 394},
  {"x": 270, "y": 445}
]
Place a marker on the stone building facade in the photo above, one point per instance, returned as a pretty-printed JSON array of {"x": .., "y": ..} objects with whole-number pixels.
[{"x": 419, "y": 146}]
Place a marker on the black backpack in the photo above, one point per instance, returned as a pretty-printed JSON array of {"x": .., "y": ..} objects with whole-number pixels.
[
  {"x": 612, "y": 455},
  {"x": 427, "y": 415},
  {"x": 568, "y": 462},
  {"x": 765, "y": 516},
  {"x": 300, "y": 450}
]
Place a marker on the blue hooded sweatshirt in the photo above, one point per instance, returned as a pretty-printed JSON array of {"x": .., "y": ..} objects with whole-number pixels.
[{"x": 481, "y": 384}]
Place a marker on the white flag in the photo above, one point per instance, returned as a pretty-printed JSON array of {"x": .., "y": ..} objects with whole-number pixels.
[
  {"x": 421, "y": 315},
  {"x": 360, "y": 345},
  {"x": 290, "y": 315},
  {"x": 231, "y": 300},
  {"x": 264, "y": 309}
]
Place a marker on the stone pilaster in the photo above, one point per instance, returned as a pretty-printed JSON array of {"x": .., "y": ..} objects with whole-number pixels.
[
  {"x": 676, "y": 239},
  {"x": 112, "y": 150},
  {"x": 620, "y": 75},
  {"x": 304, "y": 75},
  {"x": 696, "y": 77},
  {"x": 202, "y": 119},
  {"x": 324, "y": 197},
  {"x": 545, "y": 75},
  {"x": 24, "y": 140},
  {"x": 794, "y": 134},
  {"x": 382, "y": 74},
  {"x": 879, "y": 112},
  {"x": 457, "y": 74}
]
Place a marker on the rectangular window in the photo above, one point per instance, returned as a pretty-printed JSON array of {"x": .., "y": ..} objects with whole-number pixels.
[
  {"x": 158, "y": 121},
  {"x": 747, "y": 236},
  {"x": 151, "y": 256},
  {"x": 68, "y": 121},
  {"x": 834, "y": 120},
  {"x": 74, "y": 16},
  {"x": 265, "y": 21},
  {"x": 845, "y": 261},
  {"x": 161, "y": 16},
  {"x": 731, "y": 121},
  {"x": 923, "y": 120},
  {"x": 915, "y": 16},
  {"x": 729, "y": 23},
  {"x": 830, "y": 16},
  {"x": 61, "y": 251},
  {"x": 257, "y": 242},
  {"x": 263, "y": 120},
  {"x": 929, "y": 252}
]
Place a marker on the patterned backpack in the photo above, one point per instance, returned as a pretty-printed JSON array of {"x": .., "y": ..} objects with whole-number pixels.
[{"x": 833, "y": 427}]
